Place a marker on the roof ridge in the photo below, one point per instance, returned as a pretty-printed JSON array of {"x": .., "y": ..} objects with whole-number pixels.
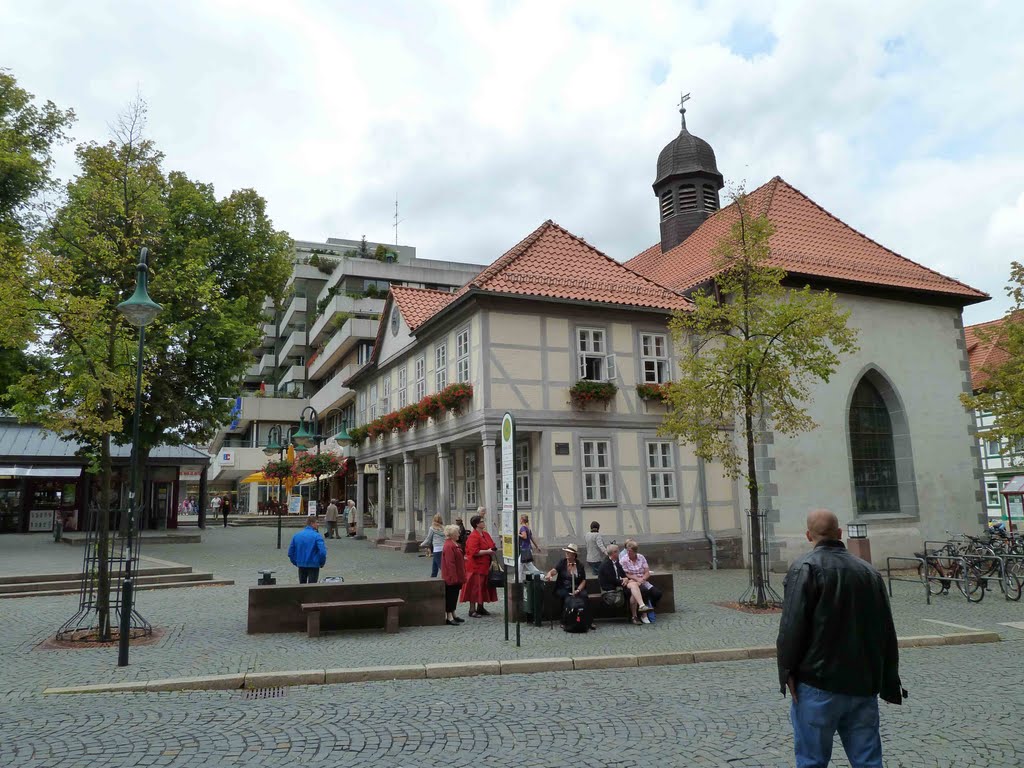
[
  {"x": 513, "y": 253},
  {"x": 875, "y": 242}
]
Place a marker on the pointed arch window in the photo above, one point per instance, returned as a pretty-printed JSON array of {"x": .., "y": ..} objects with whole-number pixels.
[
  {"x": 710, "y": 199},
  {"x": 873, "y": 453},
  {"x": 687, "y": 197}
]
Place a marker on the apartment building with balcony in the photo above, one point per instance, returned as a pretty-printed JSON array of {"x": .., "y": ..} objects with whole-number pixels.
[{"x": 320, "y": 335}]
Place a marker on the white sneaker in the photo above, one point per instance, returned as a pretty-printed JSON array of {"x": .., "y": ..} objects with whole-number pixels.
[{"x": 644, "y": 619}]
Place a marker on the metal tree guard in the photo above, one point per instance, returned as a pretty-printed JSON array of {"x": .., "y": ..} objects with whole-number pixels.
[{"x": 750, "y": 595}]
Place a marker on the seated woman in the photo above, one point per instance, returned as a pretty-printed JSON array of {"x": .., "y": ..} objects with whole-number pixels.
[
  {"x": 638, "y": 572},
  {"x": 569, "y": 577},
  {"x": 616, "y": 587}
]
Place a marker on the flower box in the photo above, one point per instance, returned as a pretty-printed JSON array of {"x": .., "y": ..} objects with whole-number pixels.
[{"x": 583, "y": 393}]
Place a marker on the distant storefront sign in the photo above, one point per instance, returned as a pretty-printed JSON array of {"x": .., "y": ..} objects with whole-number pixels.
[{"x": 227, "y": 458}]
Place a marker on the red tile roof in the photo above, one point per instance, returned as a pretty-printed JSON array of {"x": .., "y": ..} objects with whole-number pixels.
[
  {"x": 808, "y": 241},
  {"x": 554, "y": 263},
  {"x": 419, "y": 304},
  {"x": 985, "y": 354}
]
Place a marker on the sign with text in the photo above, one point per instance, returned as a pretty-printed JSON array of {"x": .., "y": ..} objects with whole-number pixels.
[{"x": 508, "y": 490}]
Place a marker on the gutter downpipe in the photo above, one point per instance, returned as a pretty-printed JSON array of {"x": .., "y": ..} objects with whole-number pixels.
[{"x": 702, "y": 486}]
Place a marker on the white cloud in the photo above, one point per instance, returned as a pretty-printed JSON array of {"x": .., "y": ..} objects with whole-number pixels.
[{"x": 488, "y": 117}]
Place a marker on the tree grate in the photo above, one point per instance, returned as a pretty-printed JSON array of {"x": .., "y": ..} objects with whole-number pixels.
[{"x": 264, "y": 693}]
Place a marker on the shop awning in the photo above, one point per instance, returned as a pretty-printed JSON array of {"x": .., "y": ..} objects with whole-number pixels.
[
  {"x": 255, "y": 477},
  {"x": 40, "y": 471}
]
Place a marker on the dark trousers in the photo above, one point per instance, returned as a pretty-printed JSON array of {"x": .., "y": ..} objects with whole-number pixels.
[
  {"x": 451, "y": 597},
  {"x": 652, "y": 595},
  {"x": 308, "y": 575},
  {"x": 225, "y": 519}
]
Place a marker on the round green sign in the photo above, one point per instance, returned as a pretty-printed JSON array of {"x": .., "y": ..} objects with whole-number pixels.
[{"x": 506, "y": 428}]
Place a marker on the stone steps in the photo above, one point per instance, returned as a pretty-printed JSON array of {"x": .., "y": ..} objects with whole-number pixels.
[
  {"x": 164, "y": 576},
  {"x": 398, "y": 545},
  {"x": 208, "y": 581}
]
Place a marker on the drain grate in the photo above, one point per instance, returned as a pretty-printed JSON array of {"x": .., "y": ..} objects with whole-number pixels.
[{"x": 264, "y": 693}]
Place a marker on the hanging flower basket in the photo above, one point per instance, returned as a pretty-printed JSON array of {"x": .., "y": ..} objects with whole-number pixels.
[
  {"x": 657, "y": 392},
  {"x": 408, "y": 417},
  {"x": 280, "y": 470},
  {"x": 430, "y": 407},
  {"x": 322, "y": 464},
  {"x": 455, "y": 396},
  {"x": 583, "y": 393},
  {"x": 358, "y": 435}
]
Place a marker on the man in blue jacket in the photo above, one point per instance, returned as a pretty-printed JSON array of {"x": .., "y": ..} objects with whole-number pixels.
[{"x": 308, "y": 552}]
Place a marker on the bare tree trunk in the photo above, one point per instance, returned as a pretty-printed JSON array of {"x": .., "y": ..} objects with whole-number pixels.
[{"x": 757, "y": 572}]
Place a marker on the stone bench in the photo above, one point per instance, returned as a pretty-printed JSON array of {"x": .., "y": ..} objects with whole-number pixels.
[{"x": 391, "y": 606}]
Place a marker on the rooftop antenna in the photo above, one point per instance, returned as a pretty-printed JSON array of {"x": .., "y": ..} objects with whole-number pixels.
[
  {"x": 683, "y": 98},
  {"x": 397, "y": 220}
]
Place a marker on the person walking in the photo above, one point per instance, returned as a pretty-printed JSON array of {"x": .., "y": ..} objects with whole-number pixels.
[
  {"x": 435, "y": 542},
  {"x": 331, "y": 516},
  {"x": 225, "y": 508},
  {"x": 215, "y": 503},
  {"x": 528, "y": 546},
  {"x": 479, "y": 551},
  {"x": 596, "y": 549},
  {"x": 350, "y": 518},
  {"x": 453, "y": 571},
  {"x": 308, "y": 552},
  {"x": 837, "y": 650}
]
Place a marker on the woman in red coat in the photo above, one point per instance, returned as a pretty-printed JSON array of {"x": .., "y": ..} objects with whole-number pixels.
[
  {"x": 453, "y": 571},
  {"x": 479, "y": 549}
]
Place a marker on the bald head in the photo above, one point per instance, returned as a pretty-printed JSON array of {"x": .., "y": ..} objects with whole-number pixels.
[{"x": 823, "y": 524}]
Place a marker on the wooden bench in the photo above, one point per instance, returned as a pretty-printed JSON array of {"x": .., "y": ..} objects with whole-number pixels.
[{"x": 313, "y": 610}]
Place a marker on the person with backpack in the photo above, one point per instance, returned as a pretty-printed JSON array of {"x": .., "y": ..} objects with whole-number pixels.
[{"x": 570, "y": 580}]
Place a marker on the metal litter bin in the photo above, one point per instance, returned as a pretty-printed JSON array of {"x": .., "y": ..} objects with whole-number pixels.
[{"x": 533, "y": 598}]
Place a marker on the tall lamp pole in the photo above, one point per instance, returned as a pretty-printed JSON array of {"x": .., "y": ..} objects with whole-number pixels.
[
  {"x": 303, "y": 439},
  {"x": 140, "y": 311},
  {"x": 275, "y": 444}
]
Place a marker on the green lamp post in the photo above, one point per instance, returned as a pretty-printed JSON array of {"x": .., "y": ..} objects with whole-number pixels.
[
  {"x": 140, "y": 311},
  {"x": 276, "y": 445},
  {"x": 303, "y": 439}
]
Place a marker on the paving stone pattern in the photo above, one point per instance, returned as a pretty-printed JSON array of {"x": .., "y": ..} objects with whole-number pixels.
[{"x": 709, "y": 714}]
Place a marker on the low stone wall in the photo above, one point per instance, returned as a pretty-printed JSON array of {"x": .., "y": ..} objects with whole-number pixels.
[
  {"x": 278, "y": 608},
  {"x": 689, "y": 555}
]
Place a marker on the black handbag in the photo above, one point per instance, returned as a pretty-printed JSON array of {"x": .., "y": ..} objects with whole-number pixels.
[{"x": 496, "y": 576}]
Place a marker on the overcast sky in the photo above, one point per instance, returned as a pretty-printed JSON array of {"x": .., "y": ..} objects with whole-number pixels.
[{"x": 486, "y": 118}]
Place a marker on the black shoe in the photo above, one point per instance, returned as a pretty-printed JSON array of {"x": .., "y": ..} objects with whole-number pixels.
[
  {"x": 484, "y": 612},
  {"x": 451, "y": 623},
  {"x": 457, "y": 620}
]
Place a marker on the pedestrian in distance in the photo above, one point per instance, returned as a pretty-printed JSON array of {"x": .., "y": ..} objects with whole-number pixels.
[
  {"x": 350, "y": 518},
  {"x": 453, "y": 572},
  {"x": 528, "y": 546},
  {"x": 837, "y": 650},
  {"x": 597, "y": 551},
  {"x": 480, "y": 550},
  {"x": 215, "y": 503},
  {"x": 225, "y": 509},
  {"x": 308, "y": 552},
  {"x": 434, "y": 543},
  {"x": 331, "y": 516}
]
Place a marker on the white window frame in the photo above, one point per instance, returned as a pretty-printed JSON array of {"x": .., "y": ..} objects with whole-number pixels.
[
  {"x": 399, "y": 487},
  {"x": 385, "y": 397},
  {"x": 362, "y": 408},
  {"x": 992, "y": 493},
  {"x": 453, "y": 502},
  {"x": 469, "y": 466},
  {"x": 661, "y": 471},
  {"x": 593, "y": 363},
  {"x": 653, "y": 361},
  {"x": 373, "y": 402},
  {"x": 596, "y": 466},
  {"x": 402, "y": 394},
  {"x": 989, "y": 450},
  {"x": 522, "y": 465},
  {"x": 462, "y": 356},
  {"x": 441, "y": 366},
  {"x": 420, "y": 367}
]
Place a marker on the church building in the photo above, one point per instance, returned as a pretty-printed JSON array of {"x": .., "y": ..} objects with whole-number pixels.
[{"x": 566, "y": 338}]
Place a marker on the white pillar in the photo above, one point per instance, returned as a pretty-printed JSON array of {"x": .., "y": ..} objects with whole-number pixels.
[
  {"x": 382, "y": 496},
  {"x": 360, "y": 500},
  {"x": 443, "y": 502},
  {"x": 409, "y": 462},
  {"x": 491, "y": 486}
]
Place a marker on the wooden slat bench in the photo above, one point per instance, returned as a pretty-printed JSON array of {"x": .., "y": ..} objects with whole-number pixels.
[{"x": 391, "y": 604}]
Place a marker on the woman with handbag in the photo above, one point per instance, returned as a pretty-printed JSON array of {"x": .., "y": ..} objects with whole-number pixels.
[
  {"x": 528, "y": 545},
  {"x": 453, "y": 571},
  {"x": 479, "y": 552}
]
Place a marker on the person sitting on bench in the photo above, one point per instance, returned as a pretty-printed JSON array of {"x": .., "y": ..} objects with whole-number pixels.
[
  {"x": 637, "y": 571},
  {"x": 616, "y": 587}
]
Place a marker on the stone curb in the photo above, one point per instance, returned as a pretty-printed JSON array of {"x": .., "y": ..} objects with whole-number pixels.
[{"x": 252, "y": 680}]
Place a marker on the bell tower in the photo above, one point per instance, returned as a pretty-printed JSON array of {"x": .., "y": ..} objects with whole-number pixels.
[{"x": 687, "y": 185}]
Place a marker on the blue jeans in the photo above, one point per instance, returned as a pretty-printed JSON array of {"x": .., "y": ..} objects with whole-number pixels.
[
  {"x": 435, "y": 566},
  {"x": 816, "y": 715}
]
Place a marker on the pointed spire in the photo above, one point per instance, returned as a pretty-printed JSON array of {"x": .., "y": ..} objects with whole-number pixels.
[{"x": 683, "y": 98}]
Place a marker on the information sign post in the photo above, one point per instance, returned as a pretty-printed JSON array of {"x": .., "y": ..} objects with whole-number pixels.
[{"x": 509, "y": 535}]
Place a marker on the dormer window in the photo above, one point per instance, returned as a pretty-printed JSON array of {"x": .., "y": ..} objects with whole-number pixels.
[
  {"x": 687, "y": 197},
  {"x": 668, "y": 204},
  {"x": 710, "y": 199}
]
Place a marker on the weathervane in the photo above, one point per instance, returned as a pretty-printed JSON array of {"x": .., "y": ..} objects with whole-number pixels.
[{"x": 683, "y": 98}]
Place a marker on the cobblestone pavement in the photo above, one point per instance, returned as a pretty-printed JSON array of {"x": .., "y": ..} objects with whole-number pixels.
[
  {"x": 713, "y": 714},
  {"x": 717, "y": 715}
]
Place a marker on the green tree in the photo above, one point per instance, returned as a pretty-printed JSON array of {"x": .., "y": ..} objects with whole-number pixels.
[
  {"x": 749, "y": 351},
  {"x": 1000, "y": 390},
  {"x": 28, "y": 134},
  {"x": 213, "y": 262}
]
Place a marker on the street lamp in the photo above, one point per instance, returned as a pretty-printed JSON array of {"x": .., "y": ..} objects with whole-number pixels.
[
  {"x": 303, "y": 439},
  {"x": 139, "y": 310},
  {"x": 276, "y": 445}
]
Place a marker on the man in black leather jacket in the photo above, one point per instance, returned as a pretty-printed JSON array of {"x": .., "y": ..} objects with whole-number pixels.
[{"x": 837, "y": 650}]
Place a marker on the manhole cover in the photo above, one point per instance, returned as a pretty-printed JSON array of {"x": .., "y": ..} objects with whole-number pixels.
[{"x": 264, "y": 693}]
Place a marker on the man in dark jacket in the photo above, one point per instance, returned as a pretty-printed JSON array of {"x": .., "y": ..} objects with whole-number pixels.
[
  {"x": 837, "y": 650},
  {"x": 308, "y": 552}
]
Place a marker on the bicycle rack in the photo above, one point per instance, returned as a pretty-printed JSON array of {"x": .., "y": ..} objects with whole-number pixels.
[
  {"x": 923, "y": 561},
  {"x": 922, "y": 579}
]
